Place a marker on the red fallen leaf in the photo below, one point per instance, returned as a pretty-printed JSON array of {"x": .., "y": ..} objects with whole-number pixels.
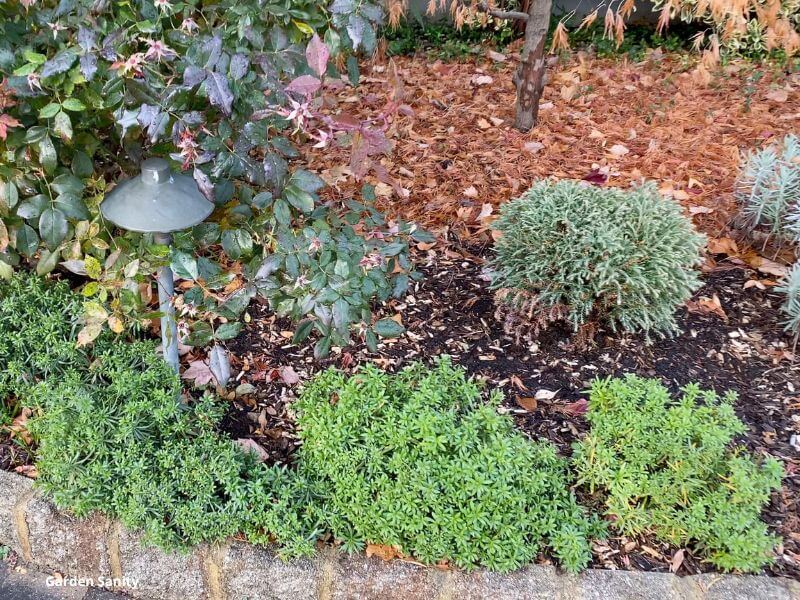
[
  {"x": 27, "y": 471},
  {"x": 249, "y": 445},
  {"x": 289, "y": 375},
  {"x": 199, "y": 371},
  {"x": 596, "y": 177},
  {"x": 575, "y": 409}
]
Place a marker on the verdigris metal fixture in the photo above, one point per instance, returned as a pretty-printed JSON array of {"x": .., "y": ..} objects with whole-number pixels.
[{"x": 160, "y": 202}]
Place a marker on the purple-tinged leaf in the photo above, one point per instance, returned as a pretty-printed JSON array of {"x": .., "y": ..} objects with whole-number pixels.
[
  {"x": 88, "y": 66},
  {"x": 305, "y": 85},
  {"x": 239, "y": 66},
  {"x": 220, "y": 365},
  {"x": 213, "y": 48},
  {"x": 219, "y": 92},
  {"x": 60, "y": 63},
  {"x": 193, "y": 76},
  {"x": 317, "y": 55},
  {"x": 87, "y": 39},
  {"x": 356, "y": 28},
  {"x": 204, "y": 184},
  {"x": 147, "y": 114}
]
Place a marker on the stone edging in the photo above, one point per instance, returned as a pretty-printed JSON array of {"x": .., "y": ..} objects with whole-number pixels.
[{"x": 99, "y": 549}]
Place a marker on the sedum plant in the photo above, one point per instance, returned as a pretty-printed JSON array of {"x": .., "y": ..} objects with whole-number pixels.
[
  {"x": 667, "y": 466},
  {"x": 583, "y": 254},
  {"x": 769, "y": 188},
  {"x": 420, "y": 462}
]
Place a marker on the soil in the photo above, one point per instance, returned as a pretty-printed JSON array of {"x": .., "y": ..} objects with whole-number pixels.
[{"x": 451, "y": 311}]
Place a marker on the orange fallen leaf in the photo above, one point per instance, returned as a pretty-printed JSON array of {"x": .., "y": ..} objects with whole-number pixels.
[
  {"x": 723, "y": 245},
  {"x": 527, "y": 403},
  {"x": 707, "y": 306},
  {"x": 382, "y": 551}
]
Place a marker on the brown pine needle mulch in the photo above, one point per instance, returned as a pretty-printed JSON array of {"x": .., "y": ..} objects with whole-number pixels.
[{"x": 612, "y": 121}]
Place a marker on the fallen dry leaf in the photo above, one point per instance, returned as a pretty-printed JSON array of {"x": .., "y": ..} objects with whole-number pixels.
[
  {"x": 382, "y": 551},
  {"x": 250, "y": 445},
  {"x": 707, "y": 306},
  {"x": 527, "y": 403}
]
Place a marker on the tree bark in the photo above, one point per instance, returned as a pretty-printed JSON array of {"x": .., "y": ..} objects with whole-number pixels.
[{"x": 529, "y": 78}]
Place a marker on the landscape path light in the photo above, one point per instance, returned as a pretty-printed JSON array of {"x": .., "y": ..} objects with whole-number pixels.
[{"x": 160, "y": 202}]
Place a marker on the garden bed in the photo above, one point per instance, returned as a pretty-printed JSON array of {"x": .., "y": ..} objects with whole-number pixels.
[{"x": 451, "y": 311}]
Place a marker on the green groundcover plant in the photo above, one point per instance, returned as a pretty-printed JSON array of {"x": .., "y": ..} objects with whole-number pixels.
[
  {"x": 419, "y": 461},
  {"x": 586, "y": 254},
  {"x": 415, "y": 460},
  {"x": 669, "y": 467}
]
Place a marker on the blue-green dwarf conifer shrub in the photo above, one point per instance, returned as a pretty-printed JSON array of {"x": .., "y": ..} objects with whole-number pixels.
[
  {"x": 669, "y": 467},
  {"x": 420, "y": 461},
  {"x": 584, "y": 254}
]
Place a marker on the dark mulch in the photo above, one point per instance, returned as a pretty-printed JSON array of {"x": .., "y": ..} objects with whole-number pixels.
[{"x": 451, "y": 311}]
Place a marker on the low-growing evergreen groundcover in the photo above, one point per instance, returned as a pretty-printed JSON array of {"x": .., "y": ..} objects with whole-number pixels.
[{"x": 421, "y": 460}]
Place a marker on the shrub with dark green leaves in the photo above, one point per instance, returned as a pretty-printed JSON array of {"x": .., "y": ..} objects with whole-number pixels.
[
  {"x": 585, "y": 254},
  {"x": 418, "y": 461},
  {"x": 667, "y": 467}
]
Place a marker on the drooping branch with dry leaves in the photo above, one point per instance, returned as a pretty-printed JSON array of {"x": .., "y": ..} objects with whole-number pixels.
[{"x": 777, "y": 22}]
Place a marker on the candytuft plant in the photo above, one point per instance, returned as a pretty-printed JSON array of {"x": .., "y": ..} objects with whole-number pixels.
[
  {"x": 584, "y": 254},
  {"x": 418, "y": 461},
  {"x": 668, "y": 467}
]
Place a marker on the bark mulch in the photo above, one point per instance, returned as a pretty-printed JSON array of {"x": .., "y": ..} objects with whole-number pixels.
[
  {"x": 458, "y": 158},
  {"x": 739, "y": 346}
]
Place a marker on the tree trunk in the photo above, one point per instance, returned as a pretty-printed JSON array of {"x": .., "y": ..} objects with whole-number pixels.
[{"x": 529, "y": 78}]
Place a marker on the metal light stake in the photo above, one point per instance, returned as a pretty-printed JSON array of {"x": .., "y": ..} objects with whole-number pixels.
[{"x": 159, "y": 201}]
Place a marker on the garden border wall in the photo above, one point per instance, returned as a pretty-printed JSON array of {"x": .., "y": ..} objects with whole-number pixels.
[{"x": 96, "y": 548}]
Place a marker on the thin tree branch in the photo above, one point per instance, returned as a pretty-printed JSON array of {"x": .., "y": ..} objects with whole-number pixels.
[{"x": 498, "y": 14}]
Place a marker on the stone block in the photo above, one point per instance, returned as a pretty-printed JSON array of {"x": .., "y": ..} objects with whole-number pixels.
[
  {"x": 361, "y": 578},
  {"x": 13, "y": 489},
  {"x": 255, "y": 573},
  {"x": 151, "y": 573},
  {"x": 65, "y": 543}
]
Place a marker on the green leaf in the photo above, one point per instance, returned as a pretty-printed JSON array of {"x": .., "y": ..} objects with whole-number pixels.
[
  {"x": 73, "y": 104},
  {"x": 303, "y": 330},
  {"x": 47, "y": 155},
  {"x": 9, "y": 195},
  {"x": 322, "y": 348},
  {"x": 72, "y": 206},
  {"x": 33, "y": 207},
  {"x": 53, "y": 227},
  {"x": 388, "y": 328},
  {"x": 283, "y": 214},
  {"x": 49, "y": 111},
  {"x": 27, "y": 240},
  {"x": 307, "y": 181},
  {"x": 62, "y": 126},
  {"x": 228, "y": 331},
  {"x": 301, "y": 200},
  {"x": 201, "y": 334},
  {"x": 67, "y": 184},
  {"x": 47, "y": 262},
  {"x": 237, "y": 243},
  {"x": 5, "y": 271},
  {"x": 184, "y": 265}
]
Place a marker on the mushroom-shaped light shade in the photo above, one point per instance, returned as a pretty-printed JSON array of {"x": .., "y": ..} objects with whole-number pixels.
[{"x": 156, "y": 201}]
